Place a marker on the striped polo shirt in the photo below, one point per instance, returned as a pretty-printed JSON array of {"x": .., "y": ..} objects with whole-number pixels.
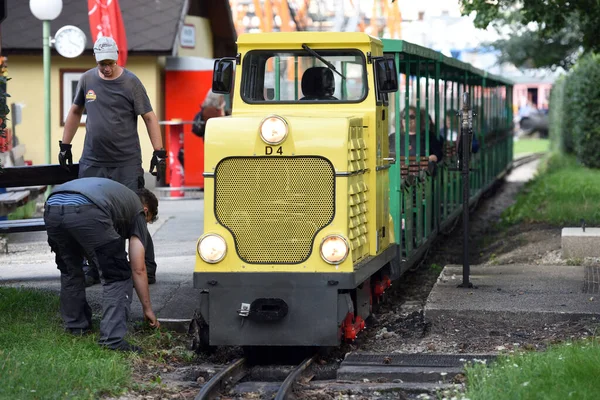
[{"x": 67, "y": 199}]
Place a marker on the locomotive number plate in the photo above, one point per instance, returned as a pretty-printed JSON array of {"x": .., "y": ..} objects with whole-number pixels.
[{"x": 270, "y": 150}]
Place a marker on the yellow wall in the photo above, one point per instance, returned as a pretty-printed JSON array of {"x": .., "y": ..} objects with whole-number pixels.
[
  {"x": 204, "y": 39},
  {"x": 27, "y": 86}
]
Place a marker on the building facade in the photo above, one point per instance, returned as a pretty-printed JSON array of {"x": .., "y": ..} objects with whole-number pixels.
[{"x": 155, "y": 32}]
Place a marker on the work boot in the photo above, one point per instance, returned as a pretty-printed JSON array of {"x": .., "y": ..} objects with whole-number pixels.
[
  {"x": 126, "y": 346},
  {"x": 91, "y": 274},
  {"x": 79, "y": 331}
]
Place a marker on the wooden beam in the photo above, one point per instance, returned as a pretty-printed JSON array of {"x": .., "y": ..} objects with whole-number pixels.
[
  {"x": 22, "y": 225},
  {"x": 37, "y": 175}
]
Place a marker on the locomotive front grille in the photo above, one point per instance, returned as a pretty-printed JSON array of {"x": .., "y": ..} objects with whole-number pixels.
[{"x": 274, "y": 206}]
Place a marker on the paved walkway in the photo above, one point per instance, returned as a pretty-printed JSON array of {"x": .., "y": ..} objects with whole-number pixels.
[{"x": 516, "y": 293}]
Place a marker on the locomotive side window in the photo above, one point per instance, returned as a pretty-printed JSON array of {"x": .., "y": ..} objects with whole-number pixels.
[{"x": 300, "y": 76}]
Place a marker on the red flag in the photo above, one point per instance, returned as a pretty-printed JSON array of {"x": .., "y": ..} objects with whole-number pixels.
[{"x": 105, "y": 20}]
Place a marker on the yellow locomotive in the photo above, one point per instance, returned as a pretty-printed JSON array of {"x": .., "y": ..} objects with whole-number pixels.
[{"x": 298, "y": 237}]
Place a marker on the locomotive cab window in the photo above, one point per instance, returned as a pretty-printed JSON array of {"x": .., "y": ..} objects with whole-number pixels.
[{"x": 304, "y": 76}]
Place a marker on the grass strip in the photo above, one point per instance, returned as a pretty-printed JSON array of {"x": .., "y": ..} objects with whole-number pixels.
[
  {"x": 562, "y": 194},
  {"x": 568, "y": 371},
  {"x": 39, "y": 360},
  {"x": 525, "y": 146}
]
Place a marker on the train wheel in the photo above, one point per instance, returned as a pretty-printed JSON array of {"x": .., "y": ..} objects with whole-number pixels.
[{"x": 200, "y": 335}]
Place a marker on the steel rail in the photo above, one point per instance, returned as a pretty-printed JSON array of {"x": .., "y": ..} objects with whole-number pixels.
[
  {"x": 230, "y": 374},
  {"x": 526, "y": 159},
  {"x": 286, "y": 387}
]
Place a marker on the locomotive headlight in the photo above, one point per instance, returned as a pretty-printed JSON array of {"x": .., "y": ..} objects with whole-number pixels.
[
  {"x": 334, "y": 249},
  {"x": 212, "y": 248},
  {"x": 273, "y": 130}
]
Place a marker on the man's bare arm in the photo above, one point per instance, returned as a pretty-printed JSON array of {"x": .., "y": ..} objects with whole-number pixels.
[
  {"x": 72, "y": 123},
  {"x": 151, "y": 121},
  {"x": 137, "y": 254}
]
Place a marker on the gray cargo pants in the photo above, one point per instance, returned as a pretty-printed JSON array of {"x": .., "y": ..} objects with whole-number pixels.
[
  {"x": 85, "y": 230},
  {"x": 131, "y": 176}
]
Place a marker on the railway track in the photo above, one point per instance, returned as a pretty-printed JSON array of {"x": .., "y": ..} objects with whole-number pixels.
[
  {"x": 228, "y": 377},
  {"x": 359, "y": 373},
  {"x": 526, "y": 159}
]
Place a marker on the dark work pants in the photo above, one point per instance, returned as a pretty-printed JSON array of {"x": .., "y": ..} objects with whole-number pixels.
[
  {"x": 85, "y": 230},
  {"x": 131, "y": 176}
]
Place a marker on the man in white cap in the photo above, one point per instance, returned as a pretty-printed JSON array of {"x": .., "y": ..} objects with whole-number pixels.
[{"x": 113, "y": 98}]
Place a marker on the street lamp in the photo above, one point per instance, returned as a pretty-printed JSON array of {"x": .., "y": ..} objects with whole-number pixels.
[{"x": 46, "y": 11}]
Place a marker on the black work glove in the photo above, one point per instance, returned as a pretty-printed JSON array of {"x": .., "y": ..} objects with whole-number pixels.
[
  {"x": 432, "y": 168},
  {"x": 159, "y": 161},
  {"x": 65, "y": 155}
]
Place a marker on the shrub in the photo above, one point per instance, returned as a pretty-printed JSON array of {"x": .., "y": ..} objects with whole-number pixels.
[
  {"x": 584, "y": 96},
  {"x": 556, "y": 115},
  {"x": 568, "y": 115}
]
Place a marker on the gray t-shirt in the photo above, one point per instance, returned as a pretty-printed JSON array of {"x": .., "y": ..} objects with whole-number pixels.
[{"x": 112, "y": 108}]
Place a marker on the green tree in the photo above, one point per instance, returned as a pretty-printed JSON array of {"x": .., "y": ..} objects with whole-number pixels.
[
  {"x": 543, "y": 33},
  {"x": 584, "y": 102}
]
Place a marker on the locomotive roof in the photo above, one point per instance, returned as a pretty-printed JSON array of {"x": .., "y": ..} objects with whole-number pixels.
[
  {"x": 401, "y": 46},
  {"x": 310, "y": 38}
]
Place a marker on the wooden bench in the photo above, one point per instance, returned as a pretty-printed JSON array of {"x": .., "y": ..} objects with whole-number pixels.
[
  {"x": 18, "y": 197},
  {"x": 12, "y": 200},
  {"x": 414, "y": 166},
  {"x": 34, "y": 190}
]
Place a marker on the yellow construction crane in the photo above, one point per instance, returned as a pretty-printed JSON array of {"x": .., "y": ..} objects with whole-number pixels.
[
  {"x": 293, "y": 15},
  {"x": 269, "y": 15},
  {"x": 384, "y": 15}
]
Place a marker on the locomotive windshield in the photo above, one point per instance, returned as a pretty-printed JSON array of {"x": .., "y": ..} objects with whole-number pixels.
[{"x": 304, "y": 76}]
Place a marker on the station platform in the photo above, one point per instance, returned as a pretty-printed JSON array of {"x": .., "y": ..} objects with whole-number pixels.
[{"x": 514, "y": 295}]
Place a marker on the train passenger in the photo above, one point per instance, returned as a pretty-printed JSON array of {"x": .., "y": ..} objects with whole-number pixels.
[
  {"x": 212, "y": 106},
  {"x": 92, "y": 217},
  {"x": 449, "y": 133},
  {"x": 435, "y": 152},
  {"x": 113, "y": 98}
]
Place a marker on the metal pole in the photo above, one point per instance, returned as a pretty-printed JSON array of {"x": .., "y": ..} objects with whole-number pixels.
[
  {"x": 465, "y": 139},
  {"x": 277, "y": 78},
  {"x": 46, "y": 43}
]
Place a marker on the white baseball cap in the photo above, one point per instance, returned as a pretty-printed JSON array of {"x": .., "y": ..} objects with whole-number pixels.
[{"x": 106, "y": 48}]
